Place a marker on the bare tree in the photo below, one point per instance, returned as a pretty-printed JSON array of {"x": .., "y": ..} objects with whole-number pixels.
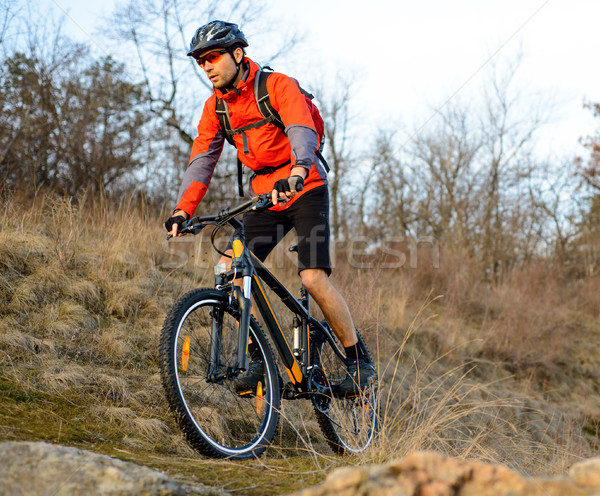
[
  {"x": 8, "y": 15},
  {"x": 465, "y": 177},
  {"x": 443, "y": 163},
  {"x": 590, "y": 171},
  {"x": 333, "y": 103},
  {"x": 509, "y": 127},
  {"x": 386, "y": 194},
  {"x": 552, "y": 193}
]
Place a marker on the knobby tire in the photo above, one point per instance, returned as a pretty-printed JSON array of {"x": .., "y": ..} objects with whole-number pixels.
[{"x": 215, "y": 419}]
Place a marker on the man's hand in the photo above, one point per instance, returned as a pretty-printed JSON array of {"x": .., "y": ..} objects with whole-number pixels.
[
  {"x": 286, "y": 188},
  {"x": 175, "y": 222}
]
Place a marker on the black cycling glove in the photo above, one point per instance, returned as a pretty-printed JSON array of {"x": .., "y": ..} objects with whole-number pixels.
[
  {"x": 180, "y": 220},
  {"x": 287, "y": 184}
]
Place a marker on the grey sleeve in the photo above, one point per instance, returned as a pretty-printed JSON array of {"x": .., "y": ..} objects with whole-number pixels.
[
  {"x": 202, "y": 166},
  {"x": 304, "y": 142}
]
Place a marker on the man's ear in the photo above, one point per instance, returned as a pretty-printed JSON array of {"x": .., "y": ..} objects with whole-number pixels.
[{"x": 238, "y": 53}]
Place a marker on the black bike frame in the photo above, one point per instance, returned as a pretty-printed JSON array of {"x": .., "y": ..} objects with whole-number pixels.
[
  {"x": 248, "y": 265},
  {"x": 253, "y": 273}
]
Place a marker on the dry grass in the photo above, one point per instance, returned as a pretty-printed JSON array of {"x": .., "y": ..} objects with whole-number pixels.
[
  {"x": 498, "y": 371},
  {"x": 505, "y": 373}
]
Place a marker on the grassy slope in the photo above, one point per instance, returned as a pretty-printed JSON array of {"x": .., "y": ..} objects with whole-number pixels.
[{"x": 505, "y": 374}]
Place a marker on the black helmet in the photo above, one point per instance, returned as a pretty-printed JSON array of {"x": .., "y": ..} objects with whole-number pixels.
[{"x": 216, "y": 34}]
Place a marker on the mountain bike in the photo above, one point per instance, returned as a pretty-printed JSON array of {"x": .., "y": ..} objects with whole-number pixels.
[{"x": 205, "y": 345}]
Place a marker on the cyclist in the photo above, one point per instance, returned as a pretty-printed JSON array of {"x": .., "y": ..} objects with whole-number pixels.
[{"x": 283, "y": 163}]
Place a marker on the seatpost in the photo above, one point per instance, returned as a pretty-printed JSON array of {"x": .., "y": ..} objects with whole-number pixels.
[
  {"x": 305, "y": 298},
  {"x": 305, "y": 301}
]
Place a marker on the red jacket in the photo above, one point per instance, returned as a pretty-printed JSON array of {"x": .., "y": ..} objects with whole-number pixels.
[{"x": 267, "y": 146}]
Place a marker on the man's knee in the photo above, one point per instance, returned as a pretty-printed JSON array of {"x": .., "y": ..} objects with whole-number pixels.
[{"x": 314, "y": 279}]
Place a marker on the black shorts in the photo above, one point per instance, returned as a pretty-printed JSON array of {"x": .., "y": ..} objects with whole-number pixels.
[{"x": 308, "y": 215}]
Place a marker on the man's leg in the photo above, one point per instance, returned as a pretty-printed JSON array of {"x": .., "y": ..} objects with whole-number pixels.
[
  {"x": 360, "y": 373},
  {"x": 310, "y": 217},
  {"x": 332, "y": 304}
]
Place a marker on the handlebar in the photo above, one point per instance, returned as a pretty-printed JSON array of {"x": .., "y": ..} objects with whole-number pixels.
[
  {"x": 196, "y": 224},
  {"x": 258, "y": 202}
]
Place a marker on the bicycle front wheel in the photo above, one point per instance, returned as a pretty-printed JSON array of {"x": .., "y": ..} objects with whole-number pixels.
[
  {"x": 216, "y": 419},
  {"x": 350, "y": 424}
]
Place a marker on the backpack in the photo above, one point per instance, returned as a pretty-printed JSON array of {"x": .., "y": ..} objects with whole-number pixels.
[{"x": 270, "y": 115}]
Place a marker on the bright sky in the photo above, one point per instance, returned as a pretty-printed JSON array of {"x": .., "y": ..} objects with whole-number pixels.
[{"x": 411, "y": 56}]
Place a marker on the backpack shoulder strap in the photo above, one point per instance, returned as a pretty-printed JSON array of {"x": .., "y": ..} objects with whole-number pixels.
[
  {"x": 264, "y": 101},
  {"x": 223, "y": 115},
  {"x": 225, "y": 122}
]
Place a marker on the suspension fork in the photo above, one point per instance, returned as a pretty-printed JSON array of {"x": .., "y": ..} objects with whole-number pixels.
[
  {"x": 242, "y": 263},
  {"x": 245, "y": 305},
  {"x": 215, "y": 342}
]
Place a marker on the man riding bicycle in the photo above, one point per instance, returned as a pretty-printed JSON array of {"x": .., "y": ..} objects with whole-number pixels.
[{"x": 283, "y": 163}]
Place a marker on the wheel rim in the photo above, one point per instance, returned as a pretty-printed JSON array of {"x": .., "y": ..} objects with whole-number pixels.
[{"x": 230, "y": 423}]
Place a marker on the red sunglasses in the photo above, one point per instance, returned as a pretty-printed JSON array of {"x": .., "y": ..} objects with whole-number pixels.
[{"x": 211, "y": 57}]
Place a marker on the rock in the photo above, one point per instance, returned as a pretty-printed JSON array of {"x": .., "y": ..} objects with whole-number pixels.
[
  {"x": 42, "y": 469},
  {"x": 587, "y": 473},
  {"x": 432, "y": 474}
]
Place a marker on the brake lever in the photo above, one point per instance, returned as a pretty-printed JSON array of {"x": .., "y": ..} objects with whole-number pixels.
[
  {"x": 189, "y": 228},
  {"x": 264, "y": 204},
  {"x": 194, "y": 228}
]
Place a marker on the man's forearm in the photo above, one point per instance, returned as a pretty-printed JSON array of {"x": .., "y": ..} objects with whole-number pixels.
[
  {"x": 181, "y": 212},
  {"x": 299, "y": 171}
]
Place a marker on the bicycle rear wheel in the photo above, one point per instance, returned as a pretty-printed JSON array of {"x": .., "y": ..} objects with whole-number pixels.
[
  {"x": 350, "y": 424},
  {"x": 215, "y": 419}
]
